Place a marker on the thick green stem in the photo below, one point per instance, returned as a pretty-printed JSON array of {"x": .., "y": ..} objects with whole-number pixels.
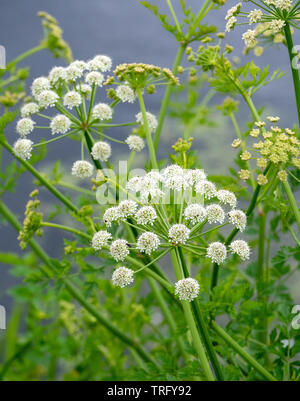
[
  {"x": 74, "y": 291},
  {"x": 292, "y": 201},
  {"x": 191, "y": 322},
  {"x": 168, "y": 315},
  {"x": 147, "y": 130},
  {"x": 248, "y": 358},
  {"x": 41, "y": 178},
  {"x": 166, "y": 99},
  {"x": 294, "y": 68},
  {"x": 202, "y": 326}
]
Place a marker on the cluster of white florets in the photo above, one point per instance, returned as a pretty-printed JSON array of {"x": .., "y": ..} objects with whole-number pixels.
[
  {"x": 270, "y": 17},
  {"x": 135, "y": 143},
  {"x": 187, "y": 289},
  {"x": 160, "y": 227},
  {"x": 148, "y": 242},
  {"x": 125, "y": 93},
  {"x": 101, "y": 151},
  {"x": 151, "y": 120},
  {"x": 82, "y": 169},
  {"x": 100, "y": 239},
  {"x": 122, "y": 277},
  {"x": 119, "y": 249},
  {"x": 55, "y": 91}
]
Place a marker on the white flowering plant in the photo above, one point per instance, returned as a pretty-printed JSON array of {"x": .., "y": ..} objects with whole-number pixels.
[{"x": 155, "y": 257}]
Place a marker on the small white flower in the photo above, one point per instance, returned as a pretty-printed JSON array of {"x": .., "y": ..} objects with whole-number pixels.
[
  {"x": 134, "y": 184},
  {"x": 227, "y": 197},
  {"x": 57, "y": 75},
  {"x": 195, "y": 213},
  {"x": 238, "y": 219},
  {"x": 148, "y": 242},
  {"x": 187, "y": 289},
  {"x": 94, "y": 78},
  {"x": 230, "y": 24},
  {"x": 233, "y": 11},
  {"x": 179, "y": 234},
  {"x": 194, "y": 176},
  {"x": 101, "y": 151},
  {"x": 273, "y": 119},
  {"x": 80, "y": 64},
  {"x": 173, "y": 177},
  {"x": 122, "y": 277},
  {"x": 127, "y": 208},
  {"x": 102, "y": 111},
  {"x": 255, "y": 16},
  {"x": 146, "y": 215},
  {"x": 23, "y": 148},
  {"x": 151, "y": 119},
  {"x": 39, "y": 85},
  {"x": 275, "y": 26},
  {"x": 47, "y": 98},
  {"x": 29, "y": 109},
  {"x": 249, "y": 38},
  {"x": 72, "y": 73},
  {"x": 217, "y": 252},
  {"x": 241, "y": 248},
  {"x": 206, "y": 189},
  {"x": 101, "y": 63},
  {"x": 25, "y": 126},
  {"x": 119, "y": 249},
  {"x": 60, "y": 124},
  {"x": 284, "y": 5},
  {"x": 100, "y": 239},
  {"x": 215, "y": 214},
  {"x": 85, "y": 89},
  {"x": 125, "y": 93},
  {"x": 72, "y": 99},
  {"x": 112, "y": 214},
  {"x": 135, "y": 143},
  {"x": 82, "y": 169}
]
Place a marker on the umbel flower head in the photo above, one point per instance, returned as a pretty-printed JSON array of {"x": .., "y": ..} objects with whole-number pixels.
[
  {"x": 270, "y": 19},
  {"x": 100, "y": 239},
  {"x": 187, "y": 289},
  {"x": 271, "y": 146},
  {"x": 140, "y": 75},
  {"x": 162, "y": 227},
  {"x": 122, "y": 277}
]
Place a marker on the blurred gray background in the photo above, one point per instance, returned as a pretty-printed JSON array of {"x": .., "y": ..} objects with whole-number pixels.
[{"x": 127, "y": 32}]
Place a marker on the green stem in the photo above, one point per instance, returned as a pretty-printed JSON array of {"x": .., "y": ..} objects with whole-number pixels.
[
  {"x": 174, "y": 16},
  {"x": 202, "y": 326},
  {"x": 25, "y": 55},
  {"x": 148, "y": 133},
  {"x": 236, "y": 347},
  {"x": 66, "y": 228},
  {"x": 166, "y": 99},
  {"x": 292, "y": 201},
  {"x": 191, "y": 322},
  {"x": 168, "y": 315},
  {"x": 294, "y": 69},
  {"x": 74, "y": 291},
  {"x": 42, "y": 179}
]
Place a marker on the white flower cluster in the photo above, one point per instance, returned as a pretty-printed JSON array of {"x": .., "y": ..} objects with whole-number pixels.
[
  {"x": 187, "y": 289},
  {"x": 163, "y": 227},
  {"x": 52, "y": 91},
  {"x": 272, "y": 21}
]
